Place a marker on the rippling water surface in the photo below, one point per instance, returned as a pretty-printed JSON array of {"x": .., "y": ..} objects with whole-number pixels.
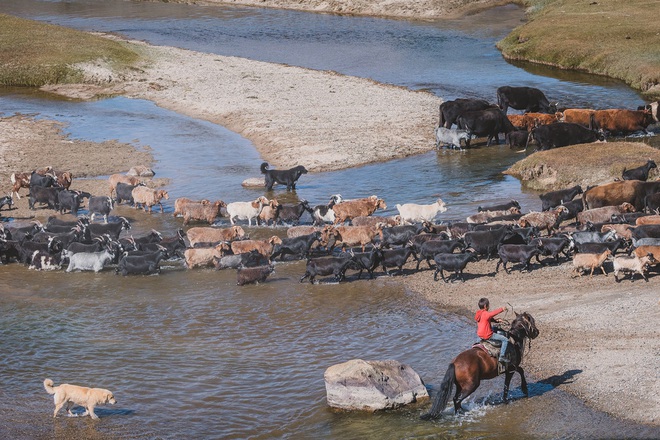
[{"x": 188, "y": 354}]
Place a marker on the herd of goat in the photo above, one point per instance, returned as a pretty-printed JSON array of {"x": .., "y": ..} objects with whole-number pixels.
[
  {"x": 619, "y": 221},
  {"x": 627, "y": 232}
]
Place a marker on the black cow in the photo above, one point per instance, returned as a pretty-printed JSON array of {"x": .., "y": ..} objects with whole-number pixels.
[
  {"x": 68, "y": 200},
  {"x": 324, "y": 266},
  {"x": 125, "y": 193},
  {"x": 113, "y": 229},
  {"x": 285, "y": 177},
  {"x": 451, "y": 110},
  {"x": 652, "y": 203},
  {"x": 489, "y": 122},
  {"x": 517, "y": 253},
  {"x": 431, "y": 248},
  {"x": 561, "y": 134},
  {"x": 452, "y": 263},
  {"x": 639, "y": 173},
  {"x": 100, "y": 205},
  {"x": 291, "y": 213},
  {"x": 141, "y": 264},
  {"x": 553, "y": 199},
  {"x": 40, "y": 194},
  {"x": 500, "y": 207},
  {"x": 297, "y": 246},
  {"x": 518, "y": 138},
  {"x": 6, "y": 201},
  {"x": 553, "y": 246},
  {"x": 529, "y": 99}
]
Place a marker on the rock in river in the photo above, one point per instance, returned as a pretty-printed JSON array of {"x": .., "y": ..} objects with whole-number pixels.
[{"x": 372, "y": 385}]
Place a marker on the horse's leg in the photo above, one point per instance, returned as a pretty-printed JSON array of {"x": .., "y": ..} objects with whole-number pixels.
[
  {"x": 465, "y": 391},
  {"x": 507, "y": 381},
  {"x": 523, "y": 381},
  {"x": 457, "y": 403}
]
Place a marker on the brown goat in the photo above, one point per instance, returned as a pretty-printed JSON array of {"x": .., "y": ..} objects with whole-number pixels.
[
  {"x": 214, "y": 235},
  {"x": 603, "y": 214},
  {"x": 264, "y": 247},
  {"x": 204, "y": 257},
  {"x": 583, "y": 262},
  {"x": 353, "y": 208},
  {"x": 206, "y": 212}
]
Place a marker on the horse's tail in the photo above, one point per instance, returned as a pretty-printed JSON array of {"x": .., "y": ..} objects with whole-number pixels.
[
  {"x": 264, "y": 167},
  {"x": 442, "y": 398}
]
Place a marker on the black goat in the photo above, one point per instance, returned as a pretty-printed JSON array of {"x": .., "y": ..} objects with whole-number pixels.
[{"x": 639, "y": 173}]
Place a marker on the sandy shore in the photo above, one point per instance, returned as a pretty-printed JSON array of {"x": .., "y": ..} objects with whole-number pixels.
[{"x": 597, "y": 331}]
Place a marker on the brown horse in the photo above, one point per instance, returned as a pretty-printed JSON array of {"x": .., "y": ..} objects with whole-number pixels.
[{"x": 474, "y": 365}]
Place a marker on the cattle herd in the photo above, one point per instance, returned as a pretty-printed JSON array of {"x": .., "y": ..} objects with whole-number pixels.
[
  {"x": 542, "y": 123},
  {"x": 618, "y": 221}
]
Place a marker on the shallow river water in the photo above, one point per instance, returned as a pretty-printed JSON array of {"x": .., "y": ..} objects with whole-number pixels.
[{"x": 189, "y": 354}]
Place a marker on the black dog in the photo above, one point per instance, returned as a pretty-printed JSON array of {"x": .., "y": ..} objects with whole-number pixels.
[{"x": 284, "y": 177}]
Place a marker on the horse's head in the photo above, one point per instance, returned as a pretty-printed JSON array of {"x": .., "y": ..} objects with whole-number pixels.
[{"x": 525, "y": 322}]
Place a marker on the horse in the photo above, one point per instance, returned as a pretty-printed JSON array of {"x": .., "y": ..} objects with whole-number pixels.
[{"x": 472, "y": 366}]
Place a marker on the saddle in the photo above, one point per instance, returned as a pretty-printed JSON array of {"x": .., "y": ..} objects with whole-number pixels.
[{"x": 493, "y": 347}]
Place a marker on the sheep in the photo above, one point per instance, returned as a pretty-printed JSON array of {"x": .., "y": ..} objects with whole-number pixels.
[
  {"x": 648, "y": 220},
  {"x": 603, "y": 214},
  {"x": 548, "y": 220},
  {"x": 249, "y": 275},
  {"x": 264, "y": 247},
  {"x": 269, "y": 213},
  {"x": 246, "y": 210},
  {"x": 204, "y": 257},
  {"x": 148, "y": 197},
  {"x": 373, "y": 220},
  {"x": 114, "y": 179},
  {"x": 414, "y": 213},
  {"x": 214, "y": 235},
  {"x": 583, "y": 262},
  {"x": 350, "y": 209},
  {"x": 633, "y": 265},
  {"x": 182, "y": 202},
  {"x": 485, "y": 216},
  {"x": 207, "y": 212}
]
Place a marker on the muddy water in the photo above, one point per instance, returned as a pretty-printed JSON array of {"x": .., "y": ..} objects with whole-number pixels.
[{"x": 190, "y": 355}]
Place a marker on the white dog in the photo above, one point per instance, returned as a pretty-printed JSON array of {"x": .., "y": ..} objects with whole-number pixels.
[{"x": 83, "y": 396}]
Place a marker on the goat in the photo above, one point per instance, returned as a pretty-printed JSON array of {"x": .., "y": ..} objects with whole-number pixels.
[
  {"x": 89, "y": 260},
  {"x": 250, "y": 275},
  {"x": 413, "y": 213},
  {"x": 633, "y": 265},
  {"x": 639, "y": 173},
  {"x": 582, "y": 262},
  {"x": 148, "y": 197},
  {"x": 324, "y": 213},
  {"x": 264, "y": 247},
  {"x": 350, "y": 209},
  {"x": 246, "y": 210},
  {"x": 214, "y": 235},
  {"x": 452, "y": 262},
  {"x": 603, "y": 214},
  {"x": 114, "y": 179},
  {"x": 486, "y": 216},
  {"x": 205, "y": 256}
]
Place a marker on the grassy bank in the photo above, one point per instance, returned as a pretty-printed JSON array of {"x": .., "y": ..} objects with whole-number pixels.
[
  {"x": 583, "y": 164},
  {"x": 608, "y": 37},
  {"x": 33, "y": 53}
]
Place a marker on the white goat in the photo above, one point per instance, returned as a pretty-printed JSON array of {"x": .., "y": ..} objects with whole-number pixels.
[
  {"x": 89, "y": 260},
  {"x": 246, "y": 210},
  {"x": 451, "y": 137},
  {"x": 413, "y": 213},
  {"x": 632, "y": 265}
]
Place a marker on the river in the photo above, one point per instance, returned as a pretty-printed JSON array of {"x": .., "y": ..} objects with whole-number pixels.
[{"x": 189, "y": 354}]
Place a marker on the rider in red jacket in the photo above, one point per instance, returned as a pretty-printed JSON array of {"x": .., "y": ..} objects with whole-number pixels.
[{"x": 484, "y": 329}]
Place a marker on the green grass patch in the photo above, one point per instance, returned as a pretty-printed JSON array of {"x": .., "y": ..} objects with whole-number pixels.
[
  {"x": 616, "y": 38},
  {"x": 583, "y": 164},
  {"x": 33, "y": 53}
]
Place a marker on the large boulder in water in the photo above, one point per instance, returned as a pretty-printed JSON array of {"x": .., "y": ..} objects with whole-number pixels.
[{"x": 372, "y": 385}]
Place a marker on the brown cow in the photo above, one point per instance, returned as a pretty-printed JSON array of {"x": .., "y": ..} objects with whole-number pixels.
[
  {"x": 614, "y": 120},
  {"x": 531, "y": 120},
  {"x": 616, "y": 193}
]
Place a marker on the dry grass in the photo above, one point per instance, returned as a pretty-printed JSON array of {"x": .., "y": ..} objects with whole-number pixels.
[
  {"x": 616, "y": 38},
  {"x": 34, "y": 53},
  {"x": 583, "y": 164}
]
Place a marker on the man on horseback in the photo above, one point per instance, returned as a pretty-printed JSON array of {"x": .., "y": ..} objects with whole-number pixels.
[{"x": 484, "y": 329}]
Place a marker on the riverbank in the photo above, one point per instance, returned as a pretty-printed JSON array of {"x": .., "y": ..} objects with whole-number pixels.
[{"x": 607, "y": 37}]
